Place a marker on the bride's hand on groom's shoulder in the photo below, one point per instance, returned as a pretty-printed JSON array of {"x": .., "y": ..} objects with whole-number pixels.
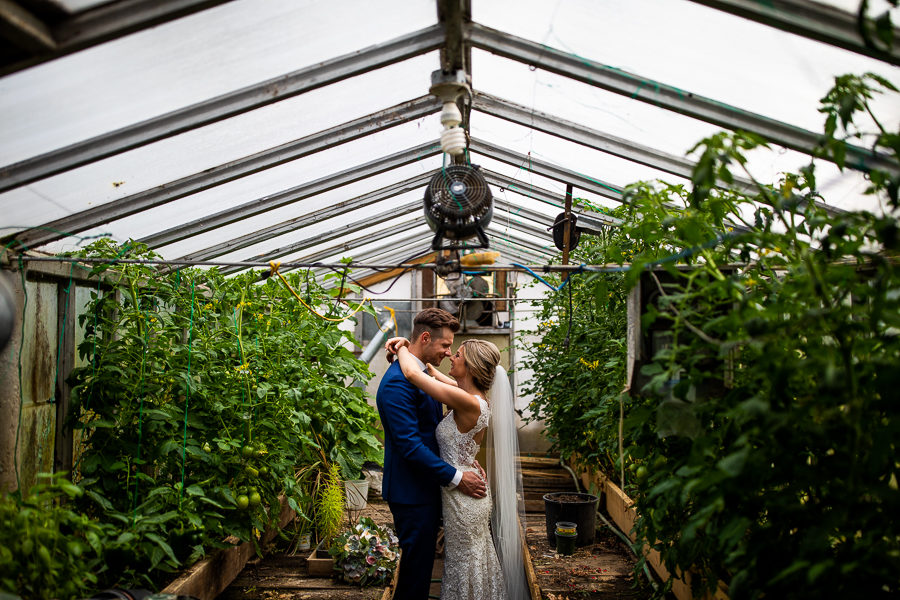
[{"x": 393, "y": 345}]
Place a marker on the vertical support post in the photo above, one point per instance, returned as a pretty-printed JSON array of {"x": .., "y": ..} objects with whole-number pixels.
[
  {"x": 456, "y": 55},
  {"x": 66, "y": 321},
  {"x": 567, "y": 228}
]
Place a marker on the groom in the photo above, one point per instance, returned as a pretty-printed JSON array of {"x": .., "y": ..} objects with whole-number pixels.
[{"x": 413, "y": 469}]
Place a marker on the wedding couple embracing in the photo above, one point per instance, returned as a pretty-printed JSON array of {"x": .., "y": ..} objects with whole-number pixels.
[{"x": 430, "y": 471}]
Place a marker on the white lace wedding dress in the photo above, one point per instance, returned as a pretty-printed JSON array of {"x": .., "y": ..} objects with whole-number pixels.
[{"x": 471, "y": 568}]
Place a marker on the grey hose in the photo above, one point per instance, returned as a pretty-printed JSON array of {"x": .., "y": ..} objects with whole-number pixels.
[
  {"x": 628, "y": 543},
  {"x": 571, "y": 472}
]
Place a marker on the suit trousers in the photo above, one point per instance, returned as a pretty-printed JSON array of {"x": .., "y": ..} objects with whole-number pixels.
[{"x": 417, "y": 528}]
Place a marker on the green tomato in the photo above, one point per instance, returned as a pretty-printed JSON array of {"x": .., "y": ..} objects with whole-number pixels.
[
  {"x": 207, "y": 447},
  {"x": 264, "y": 470},
  {"x": 44, "y": 555},
  {"x": 248, "y": 451},
  {"x": 255, "y": 499},
  {"x": 251, "y": 471},
  {"x": 74, "y": 548},
  {"x": 642, "y": 473},
  {"x": 243, "y": 502}
]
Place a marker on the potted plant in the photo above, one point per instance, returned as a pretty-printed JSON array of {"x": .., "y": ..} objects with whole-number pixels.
[
  {"x": 366, "y": 554},
  {"x": 328, "y": 506}
]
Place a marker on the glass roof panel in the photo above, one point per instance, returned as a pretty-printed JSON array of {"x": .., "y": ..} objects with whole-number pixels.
[
  {"x": 692, "y": 47},
  {"x": 202, "y": 56}
]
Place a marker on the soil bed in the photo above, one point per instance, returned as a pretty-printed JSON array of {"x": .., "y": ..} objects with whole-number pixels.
[{"x": 602, "y": 570}]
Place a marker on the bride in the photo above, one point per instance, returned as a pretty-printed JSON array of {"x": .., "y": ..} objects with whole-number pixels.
[{"x": 476, "y": 565}]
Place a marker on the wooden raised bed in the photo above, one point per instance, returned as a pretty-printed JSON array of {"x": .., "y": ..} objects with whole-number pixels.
[
  {"x": 621, "y": 509},
  {"x": 209, "y": 577}
]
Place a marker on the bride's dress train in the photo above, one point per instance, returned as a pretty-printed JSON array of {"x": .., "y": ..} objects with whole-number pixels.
[{"x": 471, "y": 568}]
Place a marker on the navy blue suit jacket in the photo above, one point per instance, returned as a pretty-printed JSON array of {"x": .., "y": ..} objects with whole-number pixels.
[{"x": 413, "y": 469}]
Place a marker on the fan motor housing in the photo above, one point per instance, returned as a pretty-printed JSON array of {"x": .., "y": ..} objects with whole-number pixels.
[{"x": 458, "y": 203}]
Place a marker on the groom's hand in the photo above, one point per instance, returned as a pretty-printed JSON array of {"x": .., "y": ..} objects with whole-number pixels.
[{"x": 472, "y": 485}]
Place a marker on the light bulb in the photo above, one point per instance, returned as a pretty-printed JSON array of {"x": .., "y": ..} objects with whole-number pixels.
[
  {"x": 453, "y": 141},
  {"x": 450, "y": 116}
]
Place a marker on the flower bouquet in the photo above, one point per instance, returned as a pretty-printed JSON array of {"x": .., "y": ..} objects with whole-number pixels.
[{"x": 366, "y": 554}]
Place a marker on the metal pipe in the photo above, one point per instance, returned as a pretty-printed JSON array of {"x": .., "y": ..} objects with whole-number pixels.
[{"x": 372, "y": 348}]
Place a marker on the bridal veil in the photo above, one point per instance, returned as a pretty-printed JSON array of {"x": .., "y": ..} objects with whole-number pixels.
[{"x": 505, "y": 479}]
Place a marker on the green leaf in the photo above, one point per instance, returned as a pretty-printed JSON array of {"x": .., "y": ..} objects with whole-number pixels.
[
  {"x": 164, "y": 546},
  {"x": 733, "y": 464}
]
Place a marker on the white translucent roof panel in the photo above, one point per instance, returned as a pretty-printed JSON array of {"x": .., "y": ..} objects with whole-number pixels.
[
  {"x": 692, "y": 47},
  {"x": 528, "y": 178},
  {"x": 219, "y": 143},
  {"x": 637, "y": 122},
  {"x": 75, "y": 6},
  {"x": 202, "y": 56},
  {"x": 354, "y": 223},
  {"x": 562, "y": 153},
  {"x": 273, "y": 181}
]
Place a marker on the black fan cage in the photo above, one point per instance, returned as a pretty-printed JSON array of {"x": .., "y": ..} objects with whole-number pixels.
[{"x": 458, "y": 201}]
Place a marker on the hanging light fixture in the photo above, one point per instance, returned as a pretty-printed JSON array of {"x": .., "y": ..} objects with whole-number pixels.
[{"x": 449, "y": 88}]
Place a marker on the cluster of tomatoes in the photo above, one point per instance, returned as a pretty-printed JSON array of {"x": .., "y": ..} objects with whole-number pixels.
[{"x": 248, "y": 494}]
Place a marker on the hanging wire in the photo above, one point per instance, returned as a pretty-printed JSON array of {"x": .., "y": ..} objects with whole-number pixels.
[
  {"x": 187, "y": 397},
  {"x": 274, "y": 265},
  {"x": 141, "y": 393}
]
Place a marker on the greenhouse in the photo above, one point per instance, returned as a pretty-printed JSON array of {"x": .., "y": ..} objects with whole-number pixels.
[{"x": 675, "y": 220}]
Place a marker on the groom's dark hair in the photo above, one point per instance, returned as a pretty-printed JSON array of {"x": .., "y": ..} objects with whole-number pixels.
[{"x": 433, "y": 320}]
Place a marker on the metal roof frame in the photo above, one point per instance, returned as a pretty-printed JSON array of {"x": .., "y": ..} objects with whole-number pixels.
[
  {"x": 809, "y": 19},
  {"x": 311, "y": 218},
  {"x": 94, "y": 26},
  {"x": 224, "y": 173},
  {"x": 454, "y": 35},
  {"x": 291, "y": 195},
  {"x": 662, "y": 95},
  {"x": 220, "y": 108}
]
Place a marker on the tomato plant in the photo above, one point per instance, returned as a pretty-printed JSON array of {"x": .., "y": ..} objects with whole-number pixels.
[
  {"x": 765, "y": 442},
  {"x": 199, "y": 399}
]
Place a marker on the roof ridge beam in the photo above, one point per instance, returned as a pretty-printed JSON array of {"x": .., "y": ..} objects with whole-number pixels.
[
  {"x": 813, "y": 20},
  {"x": 665, "y": 96},
  {"x": 220, "y": 108},
  {"x": 230, "y": 171},
  {"x": 311, "y": 218},
  {"x": 291, "y": 195}
]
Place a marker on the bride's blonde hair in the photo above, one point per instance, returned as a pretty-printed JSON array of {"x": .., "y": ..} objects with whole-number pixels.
[{"x": 481, "y": 358}]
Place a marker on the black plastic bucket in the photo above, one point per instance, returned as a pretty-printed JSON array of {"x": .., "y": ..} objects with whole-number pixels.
[{"x": 580, "y": 509}]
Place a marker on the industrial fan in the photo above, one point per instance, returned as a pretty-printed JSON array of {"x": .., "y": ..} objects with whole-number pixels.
[
  {"x": 458, "y": 206},
  {"x": 468, "y": 299}
]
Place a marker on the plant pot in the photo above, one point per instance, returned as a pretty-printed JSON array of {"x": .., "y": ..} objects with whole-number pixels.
[
  {"x": 304, "y": 542},
  {"x": 320, "y": 563},
  {"x": 580, "y": 509},
  {"x": 356, "y": 493}
]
